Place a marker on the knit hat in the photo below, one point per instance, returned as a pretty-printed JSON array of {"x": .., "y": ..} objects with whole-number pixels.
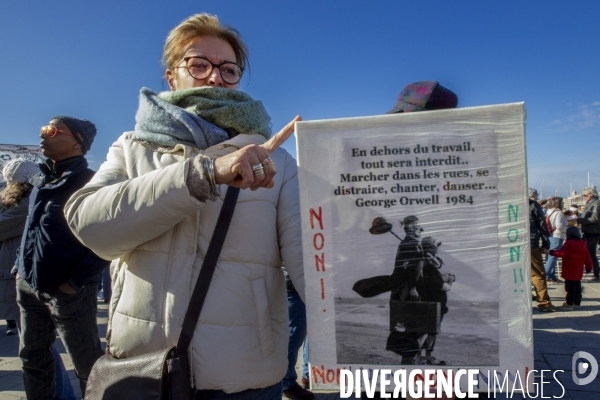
[
  {"x": 19, "y": 170},
  {"x": 573, "y": 233},
  {"x": 533, "y": 192},
  {"x": 83, "y": 130},
  {"x": 424, "y": 95}
]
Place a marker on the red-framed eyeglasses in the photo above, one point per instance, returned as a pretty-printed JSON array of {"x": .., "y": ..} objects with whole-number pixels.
[{"x": 51, "y": 131}]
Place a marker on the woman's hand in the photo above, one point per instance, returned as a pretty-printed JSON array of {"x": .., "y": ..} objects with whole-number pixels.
[{"x": 235, "y": 169}]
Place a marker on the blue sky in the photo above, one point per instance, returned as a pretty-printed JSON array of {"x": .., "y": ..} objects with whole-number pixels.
[{"x": 320, "y": 59}]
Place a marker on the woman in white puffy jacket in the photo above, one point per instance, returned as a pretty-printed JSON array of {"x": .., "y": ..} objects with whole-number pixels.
[
  {"x": 153, "y": 205},
  {"x": 559, "y": 225}
]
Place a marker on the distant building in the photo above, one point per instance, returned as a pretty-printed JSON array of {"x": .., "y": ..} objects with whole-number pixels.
[{"x": 575, "y": 199}]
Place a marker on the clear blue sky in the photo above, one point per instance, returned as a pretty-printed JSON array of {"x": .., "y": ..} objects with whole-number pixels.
[{"x": 320, "y": 59}]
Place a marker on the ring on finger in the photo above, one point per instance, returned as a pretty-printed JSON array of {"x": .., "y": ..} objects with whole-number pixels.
[
  {"x": 258, "y": 172},
  {"x": 257, "y": 169},
  {"x": 267, "y": 160}
]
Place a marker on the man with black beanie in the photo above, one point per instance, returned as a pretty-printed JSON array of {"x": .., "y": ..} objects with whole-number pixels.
[{"x": 57, "y": 276}]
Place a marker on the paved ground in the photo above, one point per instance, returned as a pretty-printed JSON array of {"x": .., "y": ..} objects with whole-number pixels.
[
  {"x": 557, "y": 336},
  {"x": 11, "y": 382}
]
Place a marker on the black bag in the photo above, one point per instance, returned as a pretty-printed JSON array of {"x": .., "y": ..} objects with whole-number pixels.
[
  {"x": 156, "y": 375},
  {"x": 162, "y": 374}
]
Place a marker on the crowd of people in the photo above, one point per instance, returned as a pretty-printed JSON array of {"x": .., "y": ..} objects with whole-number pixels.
[
  {"x": 150, "y": 211},
  {"x": 568, "y": 233}
]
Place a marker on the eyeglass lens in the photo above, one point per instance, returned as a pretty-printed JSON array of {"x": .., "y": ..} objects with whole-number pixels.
[
  {"x": 49, "y": 130},
  {"x": 200, "y": 68}
]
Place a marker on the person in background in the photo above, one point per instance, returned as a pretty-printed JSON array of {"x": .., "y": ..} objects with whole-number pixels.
[
  {"x": 424, "y": 96},
  {"x": 574, "y": 208},
  {"x": 558, "y": 224},
  {"x": 544, "y": 203},
  {"x": 14, "y": 203},
  {"x": 590, "y": 226},
  {"x": 106, "y": 292},
  {"x": 13, "y": 214},
  {"x": 57, "y": 279},
  {"x": 297, "y": 327},
  {"x": 537, "y": 232},
  {"x": 575, "y": 256},
  {"x": 304, "y": 381},
  {"x": 153, "y": 205},
  {"x": 572, "y": 214}
]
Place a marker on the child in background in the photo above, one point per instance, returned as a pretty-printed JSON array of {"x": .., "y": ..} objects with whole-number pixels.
[
  {"x": 575, "y": 255},
  {"x": 573, "y": 215}
]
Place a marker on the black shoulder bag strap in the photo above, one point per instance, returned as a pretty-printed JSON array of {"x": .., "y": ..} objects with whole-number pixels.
[{"x": 206, "y": 273}]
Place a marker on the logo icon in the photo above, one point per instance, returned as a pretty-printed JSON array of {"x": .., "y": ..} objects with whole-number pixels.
[{"x": 583, "y": 367}]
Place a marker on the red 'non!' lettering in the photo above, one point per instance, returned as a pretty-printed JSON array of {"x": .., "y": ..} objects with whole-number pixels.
[
  {"x": 326, "y": 375},
  {"x": 316, "y": 222}
]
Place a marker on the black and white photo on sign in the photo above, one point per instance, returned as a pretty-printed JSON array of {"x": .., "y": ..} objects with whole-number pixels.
[
  {"x": 415, "y": 242},
  {"x": 415, "y": 239}
]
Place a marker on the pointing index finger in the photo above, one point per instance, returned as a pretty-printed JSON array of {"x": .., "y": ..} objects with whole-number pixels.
[{"x": 280, "y": 137}]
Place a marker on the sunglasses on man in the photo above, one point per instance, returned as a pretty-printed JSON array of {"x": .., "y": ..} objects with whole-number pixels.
[{"x": 51, "y": 131}]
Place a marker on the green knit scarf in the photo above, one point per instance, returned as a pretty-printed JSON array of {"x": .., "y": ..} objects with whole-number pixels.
[{"x": 232, "y": 110}]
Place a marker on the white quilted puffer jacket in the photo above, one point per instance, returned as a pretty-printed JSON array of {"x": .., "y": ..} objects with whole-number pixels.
[{"x": 138, "y": 212}]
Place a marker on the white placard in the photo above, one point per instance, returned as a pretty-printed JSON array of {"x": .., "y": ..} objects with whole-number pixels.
[{"x": 460, "y": 178}]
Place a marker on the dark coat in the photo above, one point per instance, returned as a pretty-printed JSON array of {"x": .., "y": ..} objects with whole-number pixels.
[
  {"x": 406, "y": 265},
  {"x": 590, "y": 222},
  {"x": 12, "y": 222},
  {"x": 537, "y": 226},
  {"x": 52, "y": 254},
  {"x": 574, "y": 255},
  {"x": 430, "y": 284}
]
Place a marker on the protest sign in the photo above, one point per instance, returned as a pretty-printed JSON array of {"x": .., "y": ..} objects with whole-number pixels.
[{"x": 416, "y": 242}]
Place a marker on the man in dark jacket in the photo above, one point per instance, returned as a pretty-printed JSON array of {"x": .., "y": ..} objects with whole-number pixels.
[
  {"x": 408, "y": 267},
  {"x": 58, "y": 277},
  {"x": 538, "y": 231},
  {"x": 590, "y": 226}
]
